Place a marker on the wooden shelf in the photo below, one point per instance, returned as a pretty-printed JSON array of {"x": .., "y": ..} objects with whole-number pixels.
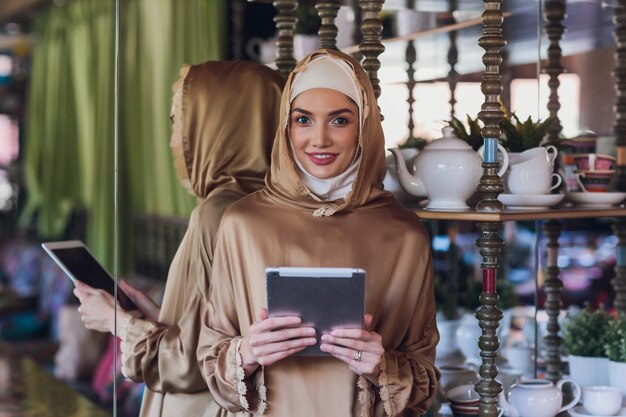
[{"x": 564, "y": 212}]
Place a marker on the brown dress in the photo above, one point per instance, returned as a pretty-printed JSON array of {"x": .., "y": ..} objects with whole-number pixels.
[
  {"x": 222, "y": 155},
  {"x": 286, "y": 225}
]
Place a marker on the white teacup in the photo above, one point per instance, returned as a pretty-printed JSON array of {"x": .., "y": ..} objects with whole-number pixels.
[
  {"x": 531, "y": 172},
  {"x": 602, "y": 400},
  {"x": 524, "y": 180}
]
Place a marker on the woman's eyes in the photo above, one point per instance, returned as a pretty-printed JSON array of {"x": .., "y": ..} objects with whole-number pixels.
[
  {"x": 341, "y": 120},
  {"x": 302, "y": 120}
]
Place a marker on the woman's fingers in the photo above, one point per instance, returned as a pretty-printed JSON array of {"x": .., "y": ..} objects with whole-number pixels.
[
  {"x": 281, "y": 335},
  {"x": 263, "y": 351},
  {"x": 273, "y": 323},
  {"x": 353, "y": 344},
  {"x": 360, "y": 334},
  {"x": 275, "y": 357}
]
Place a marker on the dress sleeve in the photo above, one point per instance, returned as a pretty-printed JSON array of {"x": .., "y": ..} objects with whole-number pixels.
[
  {"x": 220, "y": 338},
  {"x": 409, "y": 378},
  {"x": 164, "y": 357},
  {"x": 163, "y": 354}
]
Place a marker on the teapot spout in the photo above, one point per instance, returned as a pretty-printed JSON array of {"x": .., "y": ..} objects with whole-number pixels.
[{"x": 409, "y": 182}]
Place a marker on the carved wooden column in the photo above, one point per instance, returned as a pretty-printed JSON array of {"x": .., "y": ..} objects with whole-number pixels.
[
  {"x": 554, "y": 13},
  {"x": 453, "y": 59},
  {"x": 553, "y": 287},
  {"x": 491, "y": 113},
  {"x": 489, "y": 316},
  {"x": 371, "y": 46},
  {"x": 411, "y": 57},
  {"x": 327, "y": 11},
  {"x": 237, "y": 8},
  {"x": 490, "y": 244},
  {"x": 619, "y": 33},
  {"x": 285, "y": 25},
  {"x": 619, "y": 282}
]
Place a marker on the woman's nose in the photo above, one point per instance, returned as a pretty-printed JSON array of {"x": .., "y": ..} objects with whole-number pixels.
[{"x": 320, "y": 137}]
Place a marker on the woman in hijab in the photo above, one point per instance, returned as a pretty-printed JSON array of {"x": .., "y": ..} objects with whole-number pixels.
[
  {"x": 221, "y": 155},
  {"x": 323, "y": 206}
]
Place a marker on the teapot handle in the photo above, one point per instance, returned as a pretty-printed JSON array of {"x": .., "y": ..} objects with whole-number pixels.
[
  {"x": 505, "y": 158},
  {"x": 559, "y": 386}
]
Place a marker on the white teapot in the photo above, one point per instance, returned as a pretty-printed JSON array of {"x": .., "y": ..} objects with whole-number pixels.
[
  {"x": 538, "y": 398},
  {"x": 448, "y": 171}
]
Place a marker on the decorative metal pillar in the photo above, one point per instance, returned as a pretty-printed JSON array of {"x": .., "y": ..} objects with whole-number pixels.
[
  {"x": 491, "y": 113},
  {"x": 489, "y": 316},
  {"x": 554, "y": 13},
  {"x": 553, "y": 287},
  {"x": 327, "y": 11},
  {"x": 489, "y": 243},
  {"x": 285, "y": 25},
  {"x": 411, "y": 57},
  {"x": 453, "y": 59},
  {"x": 619, "y": 33},
  {"x": 371, "y": 46},
  {"x": 237, "y": 8},
  {"x": 619, "y": 282}
]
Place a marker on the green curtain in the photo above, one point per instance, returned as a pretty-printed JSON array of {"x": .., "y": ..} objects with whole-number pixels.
[{"x": 69, "y": 149}]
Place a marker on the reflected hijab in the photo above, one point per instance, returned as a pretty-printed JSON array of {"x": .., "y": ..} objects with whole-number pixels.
[
  {"x": 223, "y": 135},
  {"x": 283, "y": 181}
]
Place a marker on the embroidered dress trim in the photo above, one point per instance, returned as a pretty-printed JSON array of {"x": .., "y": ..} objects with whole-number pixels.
[
  {"x": 384, "y": 387},
  {"x": 366, "y": 396},
  {"x": 242, "y": 387},
  {"x": 125, "y": 345}
]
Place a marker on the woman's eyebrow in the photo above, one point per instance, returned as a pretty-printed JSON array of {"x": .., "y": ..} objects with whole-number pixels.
[
  {"x": 336, "y": 112},
  {"x": 299, "y": 110}
]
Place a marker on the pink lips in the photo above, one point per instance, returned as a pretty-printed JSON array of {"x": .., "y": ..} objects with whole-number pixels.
[{"x": 322, "y": 158}]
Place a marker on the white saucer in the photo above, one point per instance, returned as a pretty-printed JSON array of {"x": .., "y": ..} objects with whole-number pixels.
[
  {"x": 595, "y": 199},
  {"x": 579, "y": 411},
  {"x": 530, "y": 201}
]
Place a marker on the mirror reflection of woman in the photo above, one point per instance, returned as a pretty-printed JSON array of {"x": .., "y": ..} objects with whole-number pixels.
[
  {"x": 323, "y": 206},
  {"x": 224, "y": 116}
]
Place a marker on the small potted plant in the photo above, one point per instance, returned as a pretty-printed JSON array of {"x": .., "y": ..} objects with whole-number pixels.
[
  {"x": 584, "y": 338},
  {"x": 470, "y": 134},
  {"x": 520, "y": 136},
  {"x": 615, "y": 349}
]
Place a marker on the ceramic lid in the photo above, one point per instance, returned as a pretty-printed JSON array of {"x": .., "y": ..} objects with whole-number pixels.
[{"x": 448, "y": 141}]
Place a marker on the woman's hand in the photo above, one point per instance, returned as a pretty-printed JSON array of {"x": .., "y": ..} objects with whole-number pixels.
[
  {"x": 361, "y": 349},
  {"x": 273, "y": 339},
  {"x": 146, "y": 306},
  {"x": 96, "y": 308}
]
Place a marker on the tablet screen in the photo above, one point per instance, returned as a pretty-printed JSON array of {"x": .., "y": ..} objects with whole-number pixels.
[{"x": 85, "y": 268}]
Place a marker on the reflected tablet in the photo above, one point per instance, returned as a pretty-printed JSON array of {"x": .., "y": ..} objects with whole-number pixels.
[
  {"x": 325, "y": 298},
  {"x": 79, "y": 264}
]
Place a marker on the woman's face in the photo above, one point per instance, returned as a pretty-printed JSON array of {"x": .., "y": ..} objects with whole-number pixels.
[{"x": 324, "y": 130}]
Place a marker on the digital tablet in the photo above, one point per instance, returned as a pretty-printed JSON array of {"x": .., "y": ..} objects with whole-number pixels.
[
  {"x": 324, "y": 298},
  {"x": 79, "y": 264}
]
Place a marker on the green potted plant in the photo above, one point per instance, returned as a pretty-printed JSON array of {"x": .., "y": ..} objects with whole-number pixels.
[
  {"x": 584, "y": 337},
  {"x": 517, "y": 136},
  {"x": 520, "y": 136},
  {"x": 615, "y": 349}
]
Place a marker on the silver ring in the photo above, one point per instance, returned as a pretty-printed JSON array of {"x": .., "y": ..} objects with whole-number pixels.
[{"x": 357, "y": 355}]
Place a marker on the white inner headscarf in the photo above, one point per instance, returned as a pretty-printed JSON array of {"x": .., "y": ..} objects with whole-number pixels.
[{"x": 335, "y": 74}]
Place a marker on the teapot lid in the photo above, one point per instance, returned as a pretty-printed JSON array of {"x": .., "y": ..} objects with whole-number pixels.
[{"x": 448, "y": 141}]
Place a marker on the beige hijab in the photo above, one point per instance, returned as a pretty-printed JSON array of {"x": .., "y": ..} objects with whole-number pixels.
[
  {"x": 234, "y": 153},
  {"x": 283, "y": 182}
]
